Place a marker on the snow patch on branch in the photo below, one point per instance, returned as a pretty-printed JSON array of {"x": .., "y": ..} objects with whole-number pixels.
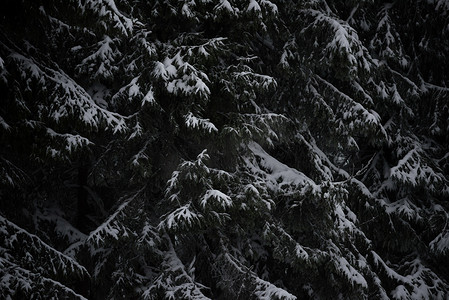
[
  {"x": 108, "y": 9},
  {"x": 198, "y": 123},
  {"x": 279, "y": 175},
  {"x": 176, "y": 280},
  {"x": 113, "y": 227},
  {"x": 183, "y": 217},
  {"x": 220, "y": 198},
  {"x": 73, "y": 142},
  {"x": 57, "y": 262},
  {"x": 226, "y": 6},
  {"x": 68, "y": 98}
]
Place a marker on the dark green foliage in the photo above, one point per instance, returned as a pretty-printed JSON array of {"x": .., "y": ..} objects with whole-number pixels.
[{"x": 224, "y": 149}]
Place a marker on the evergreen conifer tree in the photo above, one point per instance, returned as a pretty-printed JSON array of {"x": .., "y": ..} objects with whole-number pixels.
[{"x": 218, "y": 149}]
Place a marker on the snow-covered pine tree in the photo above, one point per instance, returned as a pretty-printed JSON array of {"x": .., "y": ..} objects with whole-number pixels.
[{"x": 224, "y": 149}]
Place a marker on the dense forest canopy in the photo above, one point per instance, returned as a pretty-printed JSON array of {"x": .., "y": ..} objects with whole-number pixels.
[{"x": 224, "y": 149}]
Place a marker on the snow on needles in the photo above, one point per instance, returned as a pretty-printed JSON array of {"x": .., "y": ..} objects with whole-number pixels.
[
  {"x": 69, "y": 98},
  {"x": 199, "y": 123},
  {"x": 280, "y": 174}
]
